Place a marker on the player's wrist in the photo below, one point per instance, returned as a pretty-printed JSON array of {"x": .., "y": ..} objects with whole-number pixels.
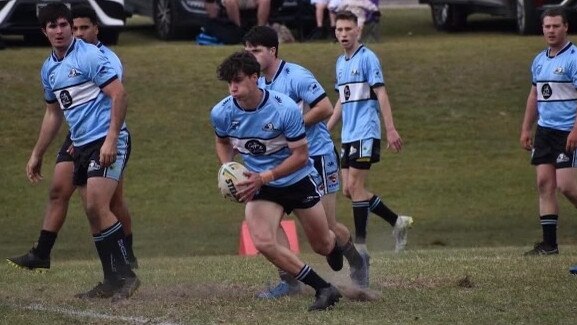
[{"x": 267, "y": 176}]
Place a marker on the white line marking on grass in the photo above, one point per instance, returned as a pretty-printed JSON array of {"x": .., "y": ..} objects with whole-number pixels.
[{"x": 93, "y": 314}]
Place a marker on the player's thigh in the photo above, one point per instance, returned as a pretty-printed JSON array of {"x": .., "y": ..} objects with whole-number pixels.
[
  {"x": 263, "y": 219},
  {"x": 357, "y": 178},
  {"x": 314, "y": 223},
  {"x": 567, "y": 179},
  {"x": 329, "y": 202},
  {"x": 117, "y": 200},
  {"x": 61, "y": 186},
  {"x": 99, "y": 192}
]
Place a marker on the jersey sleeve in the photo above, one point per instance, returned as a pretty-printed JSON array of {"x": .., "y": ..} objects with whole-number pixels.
[
  {"x": 309, "y": 89},
  {"x": 373, "y": 71},
  {"x": 49, "y": 95},
  {"x": 98, "y": 67},
  {"x": 218, "y": 121}
]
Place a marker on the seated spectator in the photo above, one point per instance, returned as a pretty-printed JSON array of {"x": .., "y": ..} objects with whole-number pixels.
[
  {"x": 233, "y": 8},
  {"x": 321, "y": 32},
  {"x": 360, "y": 8},
  {"x": 212, "y": 8}
]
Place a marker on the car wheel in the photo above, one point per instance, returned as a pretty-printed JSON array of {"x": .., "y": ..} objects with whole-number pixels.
[
  {"x": 165, "y": 19},
  {"x": 527, "y": 20},
  {"x": 447, "y": 17}
]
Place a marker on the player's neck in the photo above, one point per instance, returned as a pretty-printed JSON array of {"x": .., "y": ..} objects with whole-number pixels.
[
  {"x": 351, "y": 50},
  {"x": 251, "y": 102},
  {"x": 272, "y": 70},
  {"x": 555, "y": 49}
]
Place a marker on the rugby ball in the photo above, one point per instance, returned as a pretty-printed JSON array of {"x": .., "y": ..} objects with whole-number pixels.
[{"x": 229, "y": 175}]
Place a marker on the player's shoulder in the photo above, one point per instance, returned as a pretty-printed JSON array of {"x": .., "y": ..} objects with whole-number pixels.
[{"x": 222, "y": 106}]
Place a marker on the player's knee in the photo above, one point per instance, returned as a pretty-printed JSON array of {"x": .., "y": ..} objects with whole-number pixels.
[
  {"x": 265, "y": 246},
  {"x": 322, "y": 246},
  {"x": 59, "y": 193},
  {"x": 568, "y": 190}
]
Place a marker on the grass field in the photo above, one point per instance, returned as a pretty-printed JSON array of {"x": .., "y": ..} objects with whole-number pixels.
[{"x": 458, "y": 101}]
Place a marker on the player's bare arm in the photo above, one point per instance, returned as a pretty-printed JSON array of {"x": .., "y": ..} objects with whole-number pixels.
[
  {"x": 394, "y": 141},
  {"x": 114, "y": 90},
  {"x": 51, "y": 123},
  {"x": 529, "y": 120},
  {"x": 318, "y": 113},
  {"x": 224, "y": 149},
  {"x": 298, "y": 158},
  {"x": 336, "y": 116}
]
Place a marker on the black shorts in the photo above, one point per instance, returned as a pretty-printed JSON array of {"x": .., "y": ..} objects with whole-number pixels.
[
  {"x": 549, "y": 148},
  {"x": 87, "y": 160},
  {"x": 300, "y": 195},
  {"x": 360, "y": 154},
  {"x": 63, "y": 154}
]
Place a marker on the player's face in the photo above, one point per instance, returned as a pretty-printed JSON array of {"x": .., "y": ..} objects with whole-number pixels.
[
  {"x": 555, "y": 31},
  {"x": 85, "y": 30},
  {"x": 264, "y": 55},
  {"x": 242, "y": 86},
  {"x": 59, "y": 34},
  {"x": 347, "y": 33}
]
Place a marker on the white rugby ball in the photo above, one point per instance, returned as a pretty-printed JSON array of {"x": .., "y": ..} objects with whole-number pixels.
[{"x": 229, "y": 175}]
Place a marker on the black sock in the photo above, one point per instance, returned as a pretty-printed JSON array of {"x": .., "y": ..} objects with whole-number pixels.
[
  {"x": 45, "y": 244},
  {"x": 361, "y": 215},
  {"x": 309, "y": 277},
  {"x": 105, "y": 259},
  {"x": 128, "y": 244},
  {"x": 379, "y": 208},
  {"x": 549, "y": 225},
  {"x": 113, "y": 238},
  {"x": 351, "y": 254}
]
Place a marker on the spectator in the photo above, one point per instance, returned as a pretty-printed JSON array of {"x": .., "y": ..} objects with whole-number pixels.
[
  {"x": 321, "y": 32},
  {"x": 233, "y": 8}
]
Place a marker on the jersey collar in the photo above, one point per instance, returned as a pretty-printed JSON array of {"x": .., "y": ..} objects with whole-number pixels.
[
  {"x": 565, "y": 48},
  {"x": 70, "y": 48},
  {"x": 356, "y": 51},
  {"x": 278, "y": 72},
  {"x": 265, "y": 95}
]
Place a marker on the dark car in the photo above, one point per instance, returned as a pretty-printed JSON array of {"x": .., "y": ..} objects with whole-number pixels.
[
  {"x": 20, "y": 17},
  {"x": 184, "y": 18},
  {"x": 451, "y": 15}
]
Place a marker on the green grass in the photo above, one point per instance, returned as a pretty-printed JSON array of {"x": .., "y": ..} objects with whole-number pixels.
[{"x": 458, "y": 101}]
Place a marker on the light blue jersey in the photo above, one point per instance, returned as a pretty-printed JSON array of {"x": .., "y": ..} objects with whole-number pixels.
[
  {"x": 113, "y": 59},
  {"x": 76, "y": 83},
  {"x": 556, "y": 79},
  {"x": 262, "y": 136},
  {"x": 356, "y": 76},
  {"x": 301, "y": 86}
]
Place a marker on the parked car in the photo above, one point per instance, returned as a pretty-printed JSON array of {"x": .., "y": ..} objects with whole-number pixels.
[
  {"x": 451, "y": 15},
  {"x": 20, "y": 17},
  {"x": 184, "y": 18}
]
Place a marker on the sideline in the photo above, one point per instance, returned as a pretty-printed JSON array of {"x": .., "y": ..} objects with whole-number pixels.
[{"x": 89, "y": 314}]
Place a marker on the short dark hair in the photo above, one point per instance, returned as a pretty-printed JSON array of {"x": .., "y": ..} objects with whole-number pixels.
[
  {"x": 555, "y": 12},
  {"x": 241, "y": 61},
  {"x": 52, "y": 12},
  {"x": 83, "y": 11},
  {"x": 262, "y": 35},
  {"x": 346, "y": 15}
]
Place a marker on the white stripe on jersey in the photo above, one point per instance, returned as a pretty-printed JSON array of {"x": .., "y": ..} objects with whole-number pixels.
[
  {"x": 271, "y": 145},
  {"x": 559, "y": 91},
  {"x": 357, "y": 91},
  {"x": 80, "y": 94}
]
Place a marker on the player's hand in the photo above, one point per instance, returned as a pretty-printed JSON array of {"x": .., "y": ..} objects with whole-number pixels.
[
  {"x": 249, "y": 187},
  {"x": 33, "y": 169},
  {"x": 108, "y": 153},
  {"x": 394, "y": 141},
  {"x": 571, "y": 141},
  {"x": 526, "y": 140},
  {"x": 70, "y": 150}
]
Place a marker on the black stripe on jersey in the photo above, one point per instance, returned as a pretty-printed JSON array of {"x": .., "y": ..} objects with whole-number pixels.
[
  {"x": 563, "y": 50},
  {"x": 297, "y": 138},
  {"x": 106, "y": 83},
  {"x": 51, "y": 101},
  {"x": 71, "y": 86},
  {"x": 557, "y": 100},
  {"x": 316, "y": 101}
]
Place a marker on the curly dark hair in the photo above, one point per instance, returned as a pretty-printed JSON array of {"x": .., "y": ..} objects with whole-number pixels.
[
  {"x": 242, "y": 61},
  {"x": 52, "y": 12}
]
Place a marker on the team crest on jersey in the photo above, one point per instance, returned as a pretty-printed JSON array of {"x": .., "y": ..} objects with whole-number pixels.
[
  {"x": 559, "y": 70},
  {"x": 73, "y": 73},
  {"x": 546, "y": 91},
  {"x": 65, "y": 99},
  {"x": 277, "y": 98},
  {"x": 355, "y": 72},
  {"x": 255, "y": 147},
  {"x": 347, "y": 92},
  {"x": 269, "y": 127}
]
